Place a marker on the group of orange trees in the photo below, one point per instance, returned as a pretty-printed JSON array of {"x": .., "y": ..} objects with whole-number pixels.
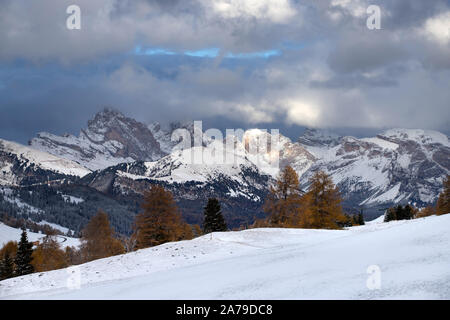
[
  {"x": 160, "y": 221},
  {"x": 289, "y": 207}
]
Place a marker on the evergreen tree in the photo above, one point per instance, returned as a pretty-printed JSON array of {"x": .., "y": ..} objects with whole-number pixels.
[
  {"x": 408, "y": 212},
  {"x": 98, "y": 239},
  {"x": 361, "y": 219},
  {"x": 390, "y": 215},
  {"x": 24, "y": 256},
  {"x": 213, "y": 220},
  {"x": 6, "y": 267}
]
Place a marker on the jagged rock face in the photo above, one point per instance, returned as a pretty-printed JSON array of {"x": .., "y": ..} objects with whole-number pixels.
[
  {"x": 178, "y": 135},
  {"x": 280, "y": 151},
  {"x": 110, "y": 139}
]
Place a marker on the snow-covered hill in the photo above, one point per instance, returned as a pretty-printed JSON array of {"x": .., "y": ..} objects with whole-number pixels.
[{"x": 412, "y": 257}]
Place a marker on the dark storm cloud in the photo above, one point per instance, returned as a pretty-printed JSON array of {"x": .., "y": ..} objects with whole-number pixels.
[
  {"x": 410, "y": 14},
  {"x": 354, "y": 81},
  {"x": 328, "y": 68}
]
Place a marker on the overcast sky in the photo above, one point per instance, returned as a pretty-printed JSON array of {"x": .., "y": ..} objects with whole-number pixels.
[{"x": 267, "y": 63}]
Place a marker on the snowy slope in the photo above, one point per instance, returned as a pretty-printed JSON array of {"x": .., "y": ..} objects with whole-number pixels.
[
  {"x": 413, "y": 257},
  {"x": 12, "y": 234}
]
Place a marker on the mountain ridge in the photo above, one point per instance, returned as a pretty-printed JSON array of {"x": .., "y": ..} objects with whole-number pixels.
[{"x": 395, "y": 166}]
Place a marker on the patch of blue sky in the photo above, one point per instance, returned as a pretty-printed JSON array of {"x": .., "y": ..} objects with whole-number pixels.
[
  {"x": 249, "y": 55},
  {"x": 208, "y": 53},
  {"x": 153, "y": 51},
  {"x": 204, "y": 53}
]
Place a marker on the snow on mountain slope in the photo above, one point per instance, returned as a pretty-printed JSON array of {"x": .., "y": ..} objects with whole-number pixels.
[
  {"x": 199, "y": 164},
  {"x": 423, "y": 137},
  {"x": 213, "y": 167},
  {"x": 319, "y": 138},
  {"x": 271, "y": 152},
  {"x": 412, "y": 256},
  {"x": 169, "y": 136},
  {"x": 110, "y": 139},
  {"x": 396, "y": 166},
  {"x": 8, "y": 233},
  {"x": 16, "y": 160}
]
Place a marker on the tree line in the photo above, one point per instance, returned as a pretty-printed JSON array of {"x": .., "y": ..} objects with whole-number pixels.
[{"x": 408, "y": 211}]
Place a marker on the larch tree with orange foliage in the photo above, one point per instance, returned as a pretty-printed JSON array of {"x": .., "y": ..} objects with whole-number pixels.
[
  {"x": 98, "y": 239},
  {"x": 323, "y": 208},
  {"x": 160, "y": 220},
  {"x": 284, "y": 199},
  {"x": 425, "y": 212},
  {"x": 443, "y": 203},
  {"x": 48, "y": 255}
]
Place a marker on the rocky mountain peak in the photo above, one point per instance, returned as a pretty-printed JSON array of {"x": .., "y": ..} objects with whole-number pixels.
[
  {"x": 319, "y": 138},
  {"x": 110, "y": 138}
]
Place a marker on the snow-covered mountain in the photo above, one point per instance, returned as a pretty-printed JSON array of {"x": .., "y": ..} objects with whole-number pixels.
[
  {"x": 112, "y": 138},
  {"x": 399, "y": 165},
  {"x": 173, "y": 137},
  {"x": 409, "y": 258},
  {"x": 109, "y": 139},
  {"x": 319, "y": 138},
  {"x": 239, "y": 184},
  {"x": 396, "y": 166},
  {"x": 21, "y": 165}
]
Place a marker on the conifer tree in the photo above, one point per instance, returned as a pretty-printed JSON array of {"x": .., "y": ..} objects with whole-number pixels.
[
  {"x": 425, "y": 212},
  {"x": 6, "y": 267},
  {"x": 284, "y": 200},
  {"x": 361, "y": 219},
  {"x": 9, "y": 248},
  {"x": 408, "y": 212},
  {"x": 48, "y": 255},
  {"x": 323, "y": 204},
  {"x": 98, "y": 239},
  {"x": 390, "y": 215},
  {"x": 160, "y": 220},
  {"x": 197, "y": 230},
  {"x": 443, "y": 203},
  {"x": 348, "y": 221},
  {"x": 24, "y": 256},
  {"x": 213, "y": 218}
]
